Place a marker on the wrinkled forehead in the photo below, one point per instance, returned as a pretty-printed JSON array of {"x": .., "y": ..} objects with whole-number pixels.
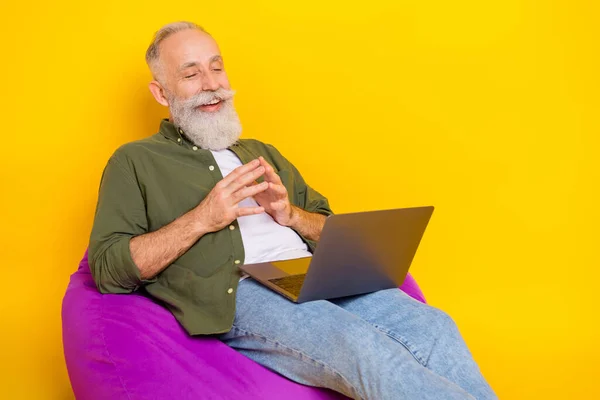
[{"x": 186, "y": 47}]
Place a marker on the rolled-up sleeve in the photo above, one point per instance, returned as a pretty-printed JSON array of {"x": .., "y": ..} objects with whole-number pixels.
[
  {"x": 120, "y": 216},
  {"x": 317, "y": 203}
]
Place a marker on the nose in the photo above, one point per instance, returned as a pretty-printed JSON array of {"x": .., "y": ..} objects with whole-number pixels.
[{"x": 209, "y": 82}]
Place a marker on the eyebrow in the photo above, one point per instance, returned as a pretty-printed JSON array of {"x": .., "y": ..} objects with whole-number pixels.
[{"x": 194, "y": 63}]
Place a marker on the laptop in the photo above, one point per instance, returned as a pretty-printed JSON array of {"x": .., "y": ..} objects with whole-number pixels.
[{"x": 357, "y": 253}]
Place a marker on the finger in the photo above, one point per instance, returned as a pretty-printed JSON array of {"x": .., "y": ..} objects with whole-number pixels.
[
  {"x": 279, "y": 189},
  {"x": 270, "y": 173},
  {"x": 246, "y": 179},
  {"x": 243, "y": 211},
  {"x": 241, "y": 170},
  {"x": 248, "y": 191}
]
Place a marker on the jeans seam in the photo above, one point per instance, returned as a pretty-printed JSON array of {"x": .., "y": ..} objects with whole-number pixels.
[
  {"x": 405, "y": 343},
  {"x": 302, "y": 354}
]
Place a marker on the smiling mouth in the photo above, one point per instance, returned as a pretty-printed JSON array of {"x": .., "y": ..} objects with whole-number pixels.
[{"x": 212, "y": 106}]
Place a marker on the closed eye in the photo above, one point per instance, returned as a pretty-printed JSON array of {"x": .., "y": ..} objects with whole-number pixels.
[{"x": 191, "y": 76}]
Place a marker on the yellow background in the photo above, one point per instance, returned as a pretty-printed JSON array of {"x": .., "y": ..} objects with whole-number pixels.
[{"x": 486, "y": 109}]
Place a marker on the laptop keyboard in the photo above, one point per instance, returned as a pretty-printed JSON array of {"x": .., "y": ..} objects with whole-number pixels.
[{"x": 290, "y": 283}]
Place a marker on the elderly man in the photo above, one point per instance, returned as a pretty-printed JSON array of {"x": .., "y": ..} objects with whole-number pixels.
[{"x": 178, "y": 212}]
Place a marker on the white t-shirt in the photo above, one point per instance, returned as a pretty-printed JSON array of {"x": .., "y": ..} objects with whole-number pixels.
[{"x": 263, "y": 238}]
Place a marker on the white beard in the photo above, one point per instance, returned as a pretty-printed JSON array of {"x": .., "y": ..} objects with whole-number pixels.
[{"x": 208, "y": 130}]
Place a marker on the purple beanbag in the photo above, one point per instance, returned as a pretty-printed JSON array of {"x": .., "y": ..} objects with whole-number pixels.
[{"x": 129, "y": 347}]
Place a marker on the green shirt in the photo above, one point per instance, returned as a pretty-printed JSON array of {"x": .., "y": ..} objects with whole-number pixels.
[{"x": 151, "y": 182}]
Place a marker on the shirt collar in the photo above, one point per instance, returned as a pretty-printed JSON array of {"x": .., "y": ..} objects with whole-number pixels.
[{"x": 170, "y": 131}]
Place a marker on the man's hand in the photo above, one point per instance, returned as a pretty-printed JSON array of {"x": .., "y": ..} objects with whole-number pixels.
[
  {"x": 220, "y": 207},
  {"x": 154, "y": 251},
  {"x": 274, "y": 200}
]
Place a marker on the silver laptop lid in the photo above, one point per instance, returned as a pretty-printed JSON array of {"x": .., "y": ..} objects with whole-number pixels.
[{"x": 364, "y": 252}]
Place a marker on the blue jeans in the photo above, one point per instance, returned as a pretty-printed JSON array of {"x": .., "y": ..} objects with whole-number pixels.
[{"x": 382, "y": 345}]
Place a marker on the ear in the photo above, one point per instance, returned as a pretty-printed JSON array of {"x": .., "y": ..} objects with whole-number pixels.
[{"x": 158, "y": 92}]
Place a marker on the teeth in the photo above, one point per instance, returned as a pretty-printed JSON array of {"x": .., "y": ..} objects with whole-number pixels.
[{"x": 215, "y": 101}]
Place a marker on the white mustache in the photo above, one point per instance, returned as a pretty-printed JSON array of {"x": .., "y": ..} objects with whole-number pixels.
[{"x": 206, "y": 97}]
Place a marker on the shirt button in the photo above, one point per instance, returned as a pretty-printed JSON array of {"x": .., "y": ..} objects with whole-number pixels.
[
  {"x": 231, "y": 227},
  {"x": 195, "y": 148},
  {"x": 237, "y": 261},
  {"x": 180, "y": 130},
  {"x": 230, "y": 290},
  {"x": 179, "y": 140},
  {"x": 211, "y": 167}
]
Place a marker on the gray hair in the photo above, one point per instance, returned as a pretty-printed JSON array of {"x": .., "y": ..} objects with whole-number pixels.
[{"x": 153, "y": 52}]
